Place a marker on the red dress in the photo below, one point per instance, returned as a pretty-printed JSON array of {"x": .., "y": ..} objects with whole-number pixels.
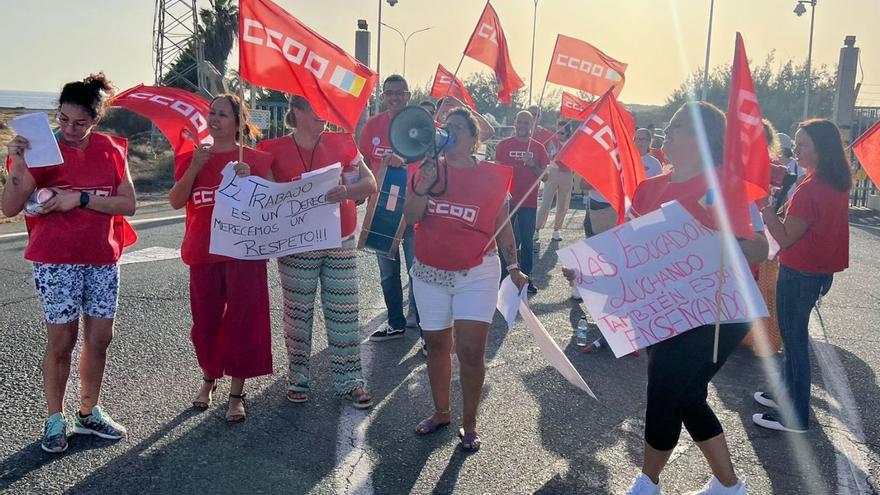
[{"x": 229, "y": 298}]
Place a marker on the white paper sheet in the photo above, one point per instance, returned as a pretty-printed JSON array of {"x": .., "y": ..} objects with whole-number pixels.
[
  {"x": 509, "y": 299},
  {"x": 43, "y": 150},
  {"x": 552, "y": 353}
]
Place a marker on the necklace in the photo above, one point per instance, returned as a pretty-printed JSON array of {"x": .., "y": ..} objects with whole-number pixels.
[{"x": 312, "y": 157}]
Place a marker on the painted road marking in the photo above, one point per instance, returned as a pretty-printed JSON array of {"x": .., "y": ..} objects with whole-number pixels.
[
  {"x": 139, "y": 221},
  {"x": 146, "y": 255}
]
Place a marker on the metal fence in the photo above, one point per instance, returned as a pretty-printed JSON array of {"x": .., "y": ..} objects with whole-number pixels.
[{"x": 863, "y": 187}]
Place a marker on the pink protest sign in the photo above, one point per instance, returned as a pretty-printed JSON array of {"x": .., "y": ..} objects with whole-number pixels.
[{"x": 657, "y": 276}]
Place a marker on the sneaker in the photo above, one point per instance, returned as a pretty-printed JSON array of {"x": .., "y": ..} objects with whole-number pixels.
[
  {"x": 55, "y": 434},
  {"x": 575, "y": 294},
  {"x": 770, "y": 421},
  {"x": 765, "y": 399},
  {"x": 98, "y": 423},
  {"x": 644, "y": 486},
  {"x": 557, "y": 235},
  {"x": 424, "y": 347},
  {"x": 532, "y": 290},
  {"x": 714, "y": 487},
  {"x": 385, "y": 332}
]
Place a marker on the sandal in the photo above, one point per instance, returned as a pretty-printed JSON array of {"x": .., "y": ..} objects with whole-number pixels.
[
  {"x": 297, "y": 397},
  {"x": 359, "y": 398},
  {"x": 470, "y": 442},
  {"x": 236, "y": 414},
  {"x": 203, "y": 405},
  {"x": 428, "y": 425}
]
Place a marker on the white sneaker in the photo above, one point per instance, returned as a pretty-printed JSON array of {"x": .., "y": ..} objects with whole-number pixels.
[
  {"x": 765, "y": 399},
  {"x": 557, "y": 235},
  {"x": 772, "y": 422},
  {"x": 714, "y": 487},
  {"x": 643, "y": 485},
  {"x": 575, "y": 294}
]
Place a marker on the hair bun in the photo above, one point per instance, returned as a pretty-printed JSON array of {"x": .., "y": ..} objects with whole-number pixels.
[{"x": 99, "y": 82}]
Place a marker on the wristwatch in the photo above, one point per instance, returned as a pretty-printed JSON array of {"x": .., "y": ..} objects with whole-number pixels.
[{"x": 83, "y": 199}]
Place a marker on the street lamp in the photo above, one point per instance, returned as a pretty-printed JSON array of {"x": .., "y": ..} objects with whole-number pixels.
[
  {"x": 708, "y": 45},
  {"x": 391, "y": 3},
  {"x": 800, "y": 10},
  {"x": 405, "y": 40}
]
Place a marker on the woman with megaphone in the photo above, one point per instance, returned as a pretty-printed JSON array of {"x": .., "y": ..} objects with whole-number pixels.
[{"x": 460, "y": 211}]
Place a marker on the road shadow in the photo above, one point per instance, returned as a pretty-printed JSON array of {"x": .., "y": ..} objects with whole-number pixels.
[{"x": 869, "y": 224}]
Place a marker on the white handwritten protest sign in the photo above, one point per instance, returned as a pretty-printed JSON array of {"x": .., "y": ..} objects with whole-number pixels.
[
  {"x": 657, "y": 276},
  {"x": 257, "y": 219}
]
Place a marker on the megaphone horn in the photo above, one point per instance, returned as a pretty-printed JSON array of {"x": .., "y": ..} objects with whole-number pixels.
[{"x": 412, "y": 134}]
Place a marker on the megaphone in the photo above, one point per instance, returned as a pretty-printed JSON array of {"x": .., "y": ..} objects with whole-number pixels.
[{"x": 413, "y": 135}]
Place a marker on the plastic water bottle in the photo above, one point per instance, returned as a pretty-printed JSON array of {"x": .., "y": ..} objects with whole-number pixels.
[{"x": 581, "y": 336}]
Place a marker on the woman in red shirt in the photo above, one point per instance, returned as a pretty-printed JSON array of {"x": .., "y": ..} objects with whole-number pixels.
[
  {"x": 456, "y": 272},
  {"x": 229, "y": 298},
  {"x": 814, "y": 242},
  {"x": 74, "y": 244},
  {"x": 680, "y": 368},
  {"x": 308, "y": 148}
]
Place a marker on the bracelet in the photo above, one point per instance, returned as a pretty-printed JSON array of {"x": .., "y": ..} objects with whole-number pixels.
[
  {"x": 513, "y": 266},
  {"x": 345, "y": 189}
]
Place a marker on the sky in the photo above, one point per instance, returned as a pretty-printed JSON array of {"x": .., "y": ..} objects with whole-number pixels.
[{"x": 50, "y": 42}]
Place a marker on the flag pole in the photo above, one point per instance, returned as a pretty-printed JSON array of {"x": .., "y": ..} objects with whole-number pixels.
[
  {"x": 241, "y": 122},
  {"x": 719, "y": 301}
]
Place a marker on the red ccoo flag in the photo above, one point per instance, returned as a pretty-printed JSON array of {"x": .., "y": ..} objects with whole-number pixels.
[
  {"x": 745, "y": 176},
  {"x": 603, "y": 153},
  {"x": 572, "y": 107},
  {"x": 179, "y": 114},
  {"x": 489, "y": 46},
  {"x": 867, "y": 150},
  {"x": 578, "y": 64},
  {"x": 277, "y": 51},
  {"x": 446, "y": 84}
]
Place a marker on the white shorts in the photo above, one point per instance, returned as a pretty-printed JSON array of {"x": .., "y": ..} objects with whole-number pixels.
[{"x": 472, "y": 295}]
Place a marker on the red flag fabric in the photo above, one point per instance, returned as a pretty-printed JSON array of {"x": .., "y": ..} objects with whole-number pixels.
[
  {"x": 180, "y": 115},
  {"x": 867, "y": 150},
  {"x": 603, "y": 153},
  {"x": 572, "y": 107},
  {"x": 279, "y": 52},
  {"x": 446, "y": 84},
  {"x": 489, "y": 46},
  {"x": 578, "y": 64},
  {"x": 745, "y": 176}
]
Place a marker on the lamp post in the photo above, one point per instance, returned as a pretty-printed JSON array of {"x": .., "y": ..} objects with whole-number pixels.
[
  {"x": 708, "y": 45},
  {"x": 391, "y": 3},
  {"x": 800, "y": 10},
  {"x": 405, "y": 40},
  {"x": 532, "y": 69}
]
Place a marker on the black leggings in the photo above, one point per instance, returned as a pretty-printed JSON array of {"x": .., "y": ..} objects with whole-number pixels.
[{"x": 679, "y": 371}]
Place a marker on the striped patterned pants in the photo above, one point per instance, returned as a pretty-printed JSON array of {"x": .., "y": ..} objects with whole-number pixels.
[{"x": 336, "y": 269}]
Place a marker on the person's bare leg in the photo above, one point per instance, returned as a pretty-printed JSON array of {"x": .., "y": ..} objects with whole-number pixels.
[
  {"x": 60, "y": 341},
  {"x": 97, "y": 335},
  {"x": 236, "y": 405},
  {"x": 654, "y": 462},
  {"x": 718, "y": 457},
  {"x": 440, "y": 371},
  {"x": 470, "y": 345}
]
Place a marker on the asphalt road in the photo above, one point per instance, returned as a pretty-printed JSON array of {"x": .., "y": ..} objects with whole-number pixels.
[{"x": 540, "y": 435}]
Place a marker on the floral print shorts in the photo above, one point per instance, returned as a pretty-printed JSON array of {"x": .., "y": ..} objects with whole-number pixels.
[{"x": 67, "y": 291}]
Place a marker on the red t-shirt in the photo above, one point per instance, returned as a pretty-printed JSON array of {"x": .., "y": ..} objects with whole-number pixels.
[
  {"x": 200, "y": 206},
  {"x": 824, "y": 248},
  {"x": 373, "y": 143},
  {"x": 652, "y": 192},
  {"x": 455, "y": 231},
  {"x": 81, "y": 236},
  {"x": 551, "y": 143},
  {"x": 659, "y": 155},
  {"x": 511, "y": 152},
  {"x": 290, "y": 161}
]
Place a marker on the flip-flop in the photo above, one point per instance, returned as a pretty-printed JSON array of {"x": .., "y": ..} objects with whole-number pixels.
[
  {"x": 297, "y": 397},
  {"x": 470, "y": 442},
  {"x": 428, "y": 426}
]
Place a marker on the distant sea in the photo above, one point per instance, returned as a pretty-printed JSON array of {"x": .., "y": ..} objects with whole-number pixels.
[{"x": 31, "y": 100}]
